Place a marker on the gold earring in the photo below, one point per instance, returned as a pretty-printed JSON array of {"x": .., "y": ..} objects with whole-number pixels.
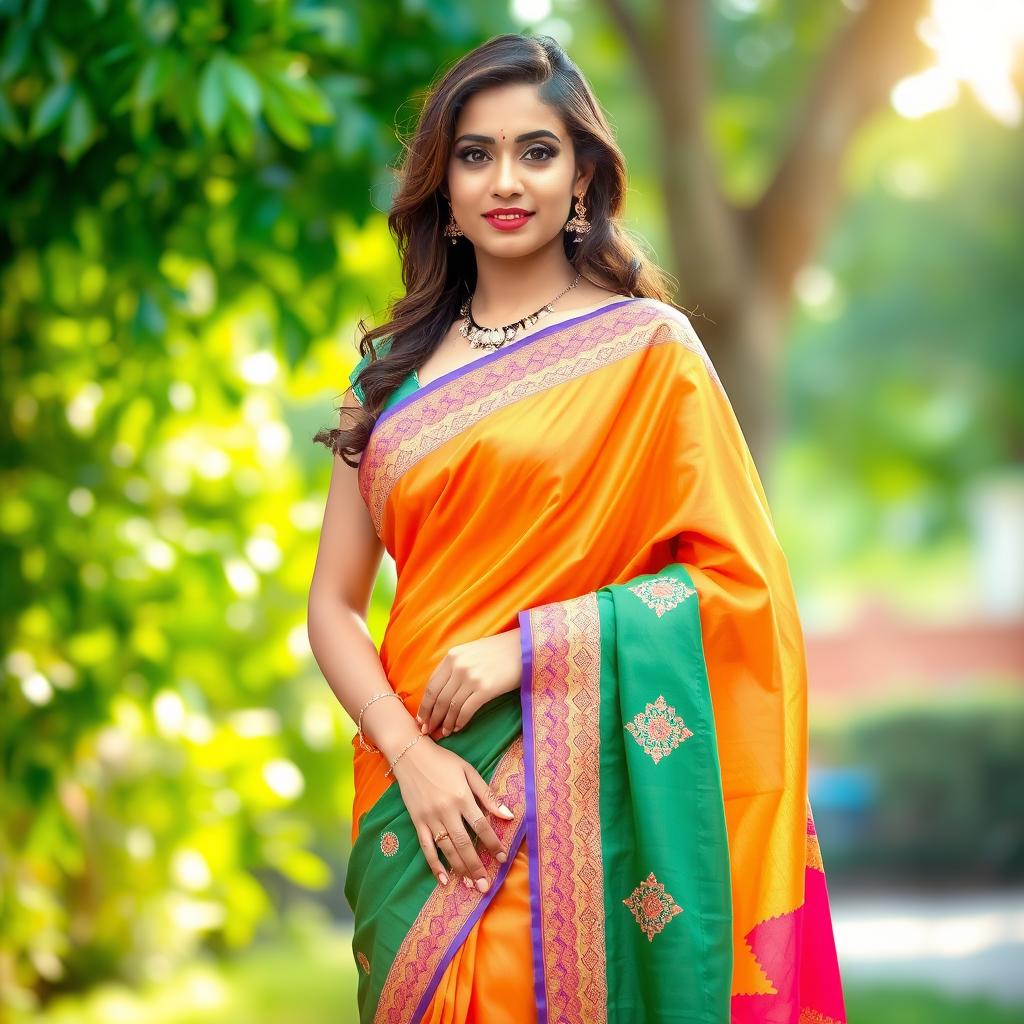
[
  {"x": 453, "y": 231},
  {"x": 579, "y": 224}
]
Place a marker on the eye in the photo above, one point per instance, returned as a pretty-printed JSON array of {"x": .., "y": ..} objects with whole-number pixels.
[{"x": 546, "y": 153}]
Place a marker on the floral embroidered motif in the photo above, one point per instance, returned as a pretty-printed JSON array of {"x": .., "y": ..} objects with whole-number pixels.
[
  {"x": 652, "y": 907},
  {"x": 658, "y": 729},
  {"x": 809, "y": 1016},
  {"x": 389, "y": 844},
  {"x": 363, "y": 962},
  {"x": 662, "y": 593}
]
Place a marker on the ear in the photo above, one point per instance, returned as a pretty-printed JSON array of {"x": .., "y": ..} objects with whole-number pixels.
[{"x": 584, "y": 176}]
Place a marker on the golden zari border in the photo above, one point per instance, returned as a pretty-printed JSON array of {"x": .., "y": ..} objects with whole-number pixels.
[{"x": 565, "y": 719}]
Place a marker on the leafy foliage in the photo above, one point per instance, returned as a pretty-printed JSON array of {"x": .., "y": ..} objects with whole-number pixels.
[{"x": 183, "y": 185}]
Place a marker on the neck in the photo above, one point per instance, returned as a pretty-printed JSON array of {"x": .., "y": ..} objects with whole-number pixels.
[{"x": 510, "y": 288}]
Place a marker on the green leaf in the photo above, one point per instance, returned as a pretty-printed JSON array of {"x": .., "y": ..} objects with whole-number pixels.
[
  {"x": 79, "y": 128},
  {"x": 283, "y": 121},
  {"x": 213, "y": 95},
  {"x": 50, "y": 109},
  {"x": 10, "y": 126},
  {"x": 240, "y": 132},
  {"x": 37, "y": 11},
  {"x": 59, "y": 61},
  {"x": 306, "y": 99},
  {"x": 242, "y": 85},
  {"x": 15, "y": 51},
  {"x": 153, "y": 76}
]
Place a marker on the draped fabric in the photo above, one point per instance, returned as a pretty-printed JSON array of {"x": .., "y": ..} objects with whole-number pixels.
[{"x": 589, "y": 484}]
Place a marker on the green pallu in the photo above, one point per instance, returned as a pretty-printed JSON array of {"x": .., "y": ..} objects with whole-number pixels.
[{"x": 609, "y": 760}]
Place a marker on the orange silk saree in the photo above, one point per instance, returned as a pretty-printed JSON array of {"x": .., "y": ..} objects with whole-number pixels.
[{"x": 589, "y": 484}]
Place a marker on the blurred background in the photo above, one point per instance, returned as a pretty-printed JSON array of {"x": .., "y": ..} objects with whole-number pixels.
[{"x": 194, "y": 203}]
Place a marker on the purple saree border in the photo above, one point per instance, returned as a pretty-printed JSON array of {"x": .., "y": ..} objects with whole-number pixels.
[
  {"x": 463, "y": 932},
  {"x": 475, "y": 364},
  {"x": 530, "y": 815}
]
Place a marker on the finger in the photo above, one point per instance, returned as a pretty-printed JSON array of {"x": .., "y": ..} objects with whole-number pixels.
[
  {"x": 429, "y": 848},
  {"x": 481, "y": 825},
  {"x": 486, "y": 796},
  {"x": 469, "y": 708},
  {"x": 440, "y": 708},
  {"x": 437, "y": 679},
  {"x": 465, "y": 851},
  {"x": 454, "y": 711}
]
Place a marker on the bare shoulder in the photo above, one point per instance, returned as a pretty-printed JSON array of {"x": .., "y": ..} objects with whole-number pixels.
[{"x": 586, "y": 293}]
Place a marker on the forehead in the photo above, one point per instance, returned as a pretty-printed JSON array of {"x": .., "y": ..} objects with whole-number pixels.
[{"x": 509, "y": 107}]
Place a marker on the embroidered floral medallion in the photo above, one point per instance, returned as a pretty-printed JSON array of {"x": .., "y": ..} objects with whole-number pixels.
[
  {"x": 652, "y": 907},
  {"x": 389, "y": 844},
  {"x": 662, "y": 593},
  {"x": 658, "y": 729},
  {"x": 363, "y": 962}
]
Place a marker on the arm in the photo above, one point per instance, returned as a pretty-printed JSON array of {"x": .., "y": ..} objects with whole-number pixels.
[
  {"x": 439, "y": 789},
  {"x": 347, "y": 561}
]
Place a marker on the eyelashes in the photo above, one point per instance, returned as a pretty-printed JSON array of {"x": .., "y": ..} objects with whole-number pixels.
[{"x": 546, "y": 153}]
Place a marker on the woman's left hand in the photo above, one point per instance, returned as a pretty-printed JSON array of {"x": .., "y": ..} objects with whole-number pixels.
[{"x": 468, "y": 677}]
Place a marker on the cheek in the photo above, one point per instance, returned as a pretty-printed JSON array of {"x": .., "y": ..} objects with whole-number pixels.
[{"x": 462, "y": 185}]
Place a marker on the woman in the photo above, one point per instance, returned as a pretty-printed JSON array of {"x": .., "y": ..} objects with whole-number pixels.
[{"x": 594, "y": 640}]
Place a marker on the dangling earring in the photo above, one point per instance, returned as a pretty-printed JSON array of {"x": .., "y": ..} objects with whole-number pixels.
[
  {"x": 453, "y": 231},
  {"x": 579, "y": 224}
]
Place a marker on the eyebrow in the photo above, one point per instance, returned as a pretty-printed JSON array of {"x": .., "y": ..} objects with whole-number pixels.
[{"x": 538, "y": 134}]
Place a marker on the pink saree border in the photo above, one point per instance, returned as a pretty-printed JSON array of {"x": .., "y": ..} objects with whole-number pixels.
[{"x": 561, "y": 657}]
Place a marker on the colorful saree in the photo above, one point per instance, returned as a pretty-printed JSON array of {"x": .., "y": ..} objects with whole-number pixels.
[{"x": 589, "y": 484}]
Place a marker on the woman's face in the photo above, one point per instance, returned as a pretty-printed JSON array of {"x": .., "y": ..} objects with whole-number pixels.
[{"x": 512, "y": 152}]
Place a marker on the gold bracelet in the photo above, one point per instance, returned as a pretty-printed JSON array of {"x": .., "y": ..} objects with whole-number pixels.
[
  {"x": 377, "y": 696},
  {"x": 391, "y": 766}
]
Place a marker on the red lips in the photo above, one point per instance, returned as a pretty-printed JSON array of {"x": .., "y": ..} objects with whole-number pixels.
[{"x": 513, "y": 217}]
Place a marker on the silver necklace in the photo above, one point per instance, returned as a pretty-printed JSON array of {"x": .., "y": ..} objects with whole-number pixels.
[{"x": 495, "y": 337}]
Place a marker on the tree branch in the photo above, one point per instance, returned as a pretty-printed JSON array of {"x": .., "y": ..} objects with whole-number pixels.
[{"x": 876, "y": 48}]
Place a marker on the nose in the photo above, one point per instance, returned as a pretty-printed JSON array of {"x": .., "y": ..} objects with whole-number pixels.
[{"x": 506, "y": 180}]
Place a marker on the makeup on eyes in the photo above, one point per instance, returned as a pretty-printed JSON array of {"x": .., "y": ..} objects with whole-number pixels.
[{"x": 550, "y": 152}]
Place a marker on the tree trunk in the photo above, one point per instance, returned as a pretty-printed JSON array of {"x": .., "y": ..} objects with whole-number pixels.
[{"x": 737, "y": 266}]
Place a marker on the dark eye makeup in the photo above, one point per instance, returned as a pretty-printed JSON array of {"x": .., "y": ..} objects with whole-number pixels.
[{"x": 546, "y": 153}]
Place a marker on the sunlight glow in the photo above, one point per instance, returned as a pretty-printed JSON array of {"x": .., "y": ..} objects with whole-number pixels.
[
  {"x": 976, "y": 45},
  {"x": 284, "y": 778},
  {"x": 529, "y": 11},
  {"x": 36, "y": 689}
]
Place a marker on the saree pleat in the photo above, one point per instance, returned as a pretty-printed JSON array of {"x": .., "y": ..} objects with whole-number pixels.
[{"x": 591, "y": 485}]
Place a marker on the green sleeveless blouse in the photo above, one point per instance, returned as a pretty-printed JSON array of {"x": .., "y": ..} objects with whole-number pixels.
[{"x": 406, "y": 388}]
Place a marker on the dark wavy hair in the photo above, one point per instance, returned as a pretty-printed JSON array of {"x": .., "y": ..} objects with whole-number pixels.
[{"x": 437, "y": 275}]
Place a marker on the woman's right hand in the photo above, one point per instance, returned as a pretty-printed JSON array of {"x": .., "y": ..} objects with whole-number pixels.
[{"x": 439, "y": 790}]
